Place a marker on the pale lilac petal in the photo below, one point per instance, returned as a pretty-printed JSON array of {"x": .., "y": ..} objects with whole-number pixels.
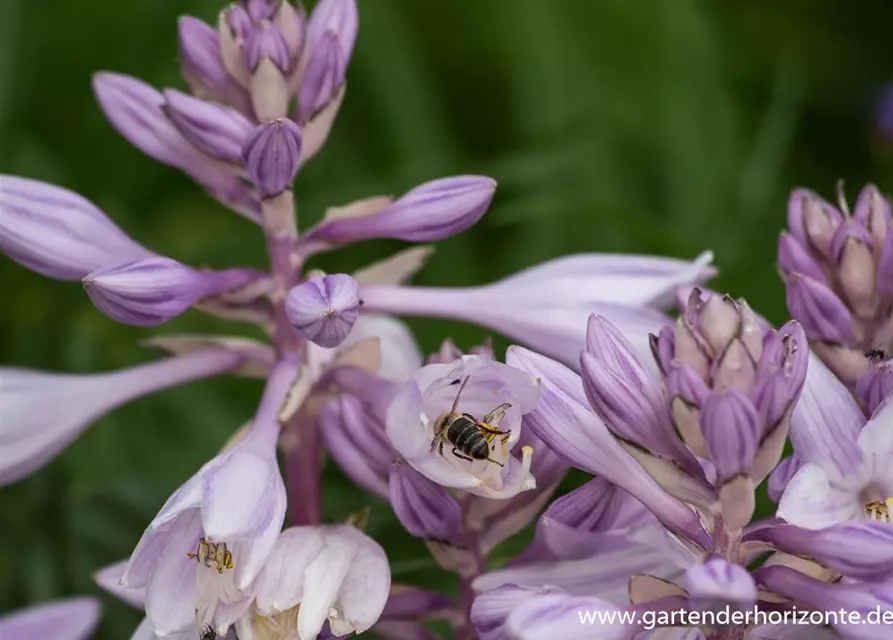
[
  {"x": 779, "y": 479},
  {"x": 280, "y": 585},
  {"x": 357, "y": 442},
  {"x": 826, "y": 422},
  {"x": 717, "y": 582},
  {"x": 425, "y": 509},
  {"x": 57, "y": 232},
  {"x": 172, "y": 589},
  {"x": 42, "y": 413},
  {"x": 227, "y": 509},
  {"x": 400, "y": 353},
  {"x": 812, "y": 501},
  {"x": 326, "y": 572},
  {"x": 71, "y": 619},
  {"x": 364, "y": 592},
  {"x": 214, "y": 129},
  {"x": 109, "y": 578},
  {"x": 490, "y": 610},
  {"x": 790, "y": 632}
]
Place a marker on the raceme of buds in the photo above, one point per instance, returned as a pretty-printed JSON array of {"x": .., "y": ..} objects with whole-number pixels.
[
  {"x": 71, "y": 619},
  {"x": 481, "y": 462},
  {"x": 42, "y": 413},
  {"x": 272, "y": 155},
  {"x": 838, "y": 268},
  {"x": 319, "y": 574},
  {"x": 432, "y": 211},
  {"x": 57, "y": 232},
  {"x": 152, "y": 291},
  {"x": 547, "y": 306},
  {"x": 137, "y": 111},
  {"x": 324, "y": 308},
  {"x": 205, "y": 547}
]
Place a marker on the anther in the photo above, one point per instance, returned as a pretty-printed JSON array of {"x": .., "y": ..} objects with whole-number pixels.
[{"x": 879, "y": 511}]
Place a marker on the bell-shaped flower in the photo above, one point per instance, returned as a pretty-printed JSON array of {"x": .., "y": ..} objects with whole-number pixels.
[
  {"x": 137, "y": 112},
  {"x": 547, "y": 306},
  {"x": 42, "y": 413},
  {"x": 200, "y": 555},
  {"x": 847, "y": 470},
  {"x": 458, "y": 423},
  {"x": 324, "y": 309},
  {"x": 432, "y": 211},
  {"x": 319, "y": 574},
  {"x": 151, "y": 291},
  {"x": 57, "y": 232},
  {"x": 71, "y": 619}
]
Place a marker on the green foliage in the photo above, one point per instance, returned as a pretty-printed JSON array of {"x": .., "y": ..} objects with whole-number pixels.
[{"x": 650, "y": 126}]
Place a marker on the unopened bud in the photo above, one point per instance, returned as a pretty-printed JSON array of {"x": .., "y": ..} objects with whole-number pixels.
[
  {"x": 267, "y": 42},
  {"x": 324, "y": 76},
  {"x": 324, "y": 309},
  {"x": 272, "y": 155},
  {"x": 260, "y": 10},
  {"x": 823, "y": 315},
  {"x": 339, "y": 17},
  {"x": 212, "y": 128}
]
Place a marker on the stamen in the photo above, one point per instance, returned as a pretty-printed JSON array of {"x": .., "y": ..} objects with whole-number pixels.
[
  {"x": 879, "y": 511},
  {"x": 213, "y": 555}
]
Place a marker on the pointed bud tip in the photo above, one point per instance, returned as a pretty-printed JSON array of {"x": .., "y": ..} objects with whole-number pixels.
[{"x": 272, "y": 155}]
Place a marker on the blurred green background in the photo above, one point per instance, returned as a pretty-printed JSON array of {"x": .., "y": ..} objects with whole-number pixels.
[{"x": 651, "y": 126}]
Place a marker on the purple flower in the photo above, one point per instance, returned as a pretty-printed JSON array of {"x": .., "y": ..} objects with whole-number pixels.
[
  {"x": 272, "y": 155},
  {"x": 42, "y": 413},
  {"x": 319, "y": 574},
  {"x": 547, "y": 306},
  {"x": 152, "y": 291},
  {"x": 57, "y": 232},
  {"x": 413, "y": 416},
  {"x": 137, "y": 112},
  {"x": 213, "y": 129},
  {"x": 425, "y": 509},
  {"x": 71, "y": 619},
  {"x": 323, "y": 77},
  {"x": 432, "y": 211},
  {"x": 847, "y": 471},
  {"x": 838, "y": 268},
  {"x": 324, "y": 309},
  {"x": 228, "y": 516},
  {"x": 333, "y": 16},
  {"x": 717, "y": 583}
]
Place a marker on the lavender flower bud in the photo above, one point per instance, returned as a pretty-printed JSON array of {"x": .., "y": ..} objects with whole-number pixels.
[
  {"x": 425, "y": 509},
  {"x": 851, "y": 248},
  {"x": 731, "y": 429},
  {"x": 717, "y": 583},
  {"x": 819, "y": 310},
  {"x": 260, "y": 9},
  {"x": 235, "y": 28},
  {"x": 202, "y": 65},
  {"x": 336, "y": 16},
  {"x": 812, "y": 221},
  {"x": 58, "y": 233},
  {"x": 876, "y": 385},
  {"x": 873, "y": 212},
  {"x": 267, "y": 42},
  {"x": 323, "y": 77},
  {"x": 272, "y": 154},
  {"x": 794, "y": 258},
  {"x": 291, "y": 23},
  {"x": 213, "y": 129},
  {"x": 324, "y": 309},
  {"x": 149, "y": 292},
  {"x": 432, "y": 211}
]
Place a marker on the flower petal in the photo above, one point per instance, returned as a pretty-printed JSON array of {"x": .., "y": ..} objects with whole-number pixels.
[
  {"x": 110, "y": 578},
  {"x": 70, "y": 619}
]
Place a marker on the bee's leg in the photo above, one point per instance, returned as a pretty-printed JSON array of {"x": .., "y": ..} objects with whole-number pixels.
[
  {"x": 461, "y": 455},
  {"x": 495, "y": 462},
  {"x": 505, "y": 438},
  {"x": 489, "y": 429},
  {"x": 441, "y": 448}
]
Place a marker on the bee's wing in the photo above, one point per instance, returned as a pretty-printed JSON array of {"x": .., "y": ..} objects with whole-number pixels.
[{"x": 496, "y": 415}]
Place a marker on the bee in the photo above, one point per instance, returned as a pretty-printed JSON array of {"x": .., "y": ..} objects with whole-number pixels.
[
  {"x": 213, "y": 555},
  {"x": 471, "y": 438},
  {"x": 876, "y": 355},
  {"x": 209, "y": 633}
]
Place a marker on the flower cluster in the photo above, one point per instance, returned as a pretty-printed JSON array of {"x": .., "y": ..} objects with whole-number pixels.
[{"x": 680, "y": 421}]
